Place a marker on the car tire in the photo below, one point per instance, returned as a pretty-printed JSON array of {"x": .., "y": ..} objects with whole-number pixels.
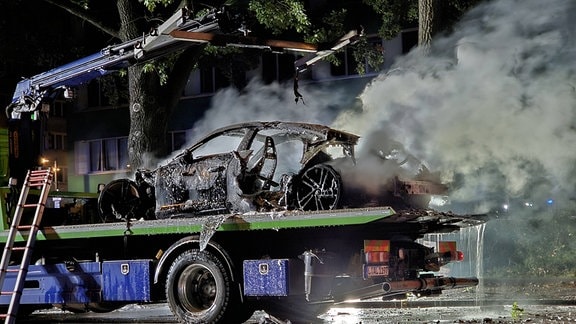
[{"x": 118, "y": 201}]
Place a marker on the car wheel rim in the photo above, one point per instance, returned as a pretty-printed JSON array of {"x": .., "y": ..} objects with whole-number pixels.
[{"x": 320, "y": 189}]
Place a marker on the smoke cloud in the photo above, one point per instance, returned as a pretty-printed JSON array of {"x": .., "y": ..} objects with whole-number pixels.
[
  {"x": 492, "y": 106},
  {"x": 260, "y": 102}
]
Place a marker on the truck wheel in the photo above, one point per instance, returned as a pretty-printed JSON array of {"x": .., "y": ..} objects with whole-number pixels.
[
  {"x": 318, "y": 188},
  {"x": 198, "y": 288}
]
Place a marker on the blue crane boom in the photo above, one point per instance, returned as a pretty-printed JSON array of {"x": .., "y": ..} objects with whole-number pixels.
[
  {"x": 30, "y": 92},
  {"x": 177, "y": 32}
]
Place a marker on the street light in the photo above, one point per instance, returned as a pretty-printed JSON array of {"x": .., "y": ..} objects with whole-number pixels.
[
  {"x": 56, "y": 174},
  {"x": 55, "y": 169}
]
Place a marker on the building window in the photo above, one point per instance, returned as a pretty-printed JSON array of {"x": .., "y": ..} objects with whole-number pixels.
[
  {"x": 347, "y": 64},
  {"x": 108, "y": 91},
  {"x": 55, "y": 141},
  {"x": 277, "y": 67},
  {"x": 176, "y": 140},
  {"x": 205, "y": 81},
  {"x": 58, "y": 109},
  {"x": 95, "y": 94},
  {"x": 409, "y": 39},
  {"x": 102, "y": 155},
  {"x": 62, "y": 175}
]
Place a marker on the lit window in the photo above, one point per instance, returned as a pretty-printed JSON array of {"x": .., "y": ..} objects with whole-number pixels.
[{"x": 102, "y": 155}]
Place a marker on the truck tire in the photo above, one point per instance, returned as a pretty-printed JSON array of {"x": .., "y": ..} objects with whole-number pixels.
[{"x": 198, "y": 288}]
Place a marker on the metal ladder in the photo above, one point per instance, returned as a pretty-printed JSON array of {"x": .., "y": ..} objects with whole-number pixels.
[{"x": 34, "y": 178}]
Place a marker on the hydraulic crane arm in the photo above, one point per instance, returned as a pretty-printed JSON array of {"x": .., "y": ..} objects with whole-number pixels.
[
  {"x": 178, "y": 32},
  {"x": 30, "y": 92}
]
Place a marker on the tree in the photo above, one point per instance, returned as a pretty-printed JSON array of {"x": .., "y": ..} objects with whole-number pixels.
[
  {"x": 431, "y": 16},
  {"x": 429, "y": 20},
  {"x": 436, "y": 16}
]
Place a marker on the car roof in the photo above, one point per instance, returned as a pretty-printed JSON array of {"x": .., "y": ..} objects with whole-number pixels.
[{"x": 311, "y": 133}]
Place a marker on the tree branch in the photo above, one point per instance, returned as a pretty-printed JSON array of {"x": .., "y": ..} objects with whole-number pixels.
[{"x": 85, "y": 16}]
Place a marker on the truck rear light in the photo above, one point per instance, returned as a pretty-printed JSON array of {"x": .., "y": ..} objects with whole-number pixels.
[
  {"x": 377, "y": 257},
  {"x": 450, "y": 247},
  {"x": 438, "y": 259}
]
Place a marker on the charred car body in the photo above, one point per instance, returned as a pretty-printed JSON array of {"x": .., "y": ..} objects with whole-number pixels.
[{"x": 265, "y": 166}]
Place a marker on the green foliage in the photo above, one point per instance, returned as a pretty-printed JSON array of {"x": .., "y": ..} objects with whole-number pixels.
[
  {"x": 152, "y": 4},
  {"x": 365, "y": 53},
  {"x": 541, "y": 244},
  {"x": 396, "y": 15},
  {"x": 330, "y": 28},
  {"x": 280, "y": 15},
  {"x": 115, "y": 88},
  {"x": 161, "y": 67},
  {"x": 516, "y": 311}
]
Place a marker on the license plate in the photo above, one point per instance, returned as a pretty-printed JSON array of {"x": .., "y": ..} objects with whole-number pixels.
[{"x": 376, "y": 271}]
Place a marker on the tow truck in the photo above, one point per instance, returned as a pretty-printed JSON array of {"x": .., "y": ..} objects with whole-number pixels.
[{"x": 291, "y": 263}]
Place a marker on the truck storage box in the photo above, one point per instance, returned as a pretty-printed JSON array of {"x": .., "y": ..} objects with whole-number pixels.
[
  {"x": 127, "y": 280},
  {"x": 267, "y": 277}
]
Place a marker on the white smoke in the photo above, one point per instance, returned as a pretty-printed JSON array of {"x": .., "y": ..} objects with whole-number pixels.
[
  {"x": 260, "y": 102},
  {"x": 493, "y": 105}
]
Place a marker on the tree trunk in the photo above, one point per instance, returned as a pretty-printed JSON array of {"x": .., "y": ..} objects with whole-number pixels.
[
  {"x": 148, "y": 118},
  {"x": 430, "y": 20},
  {"x": 425, "y": 17}
]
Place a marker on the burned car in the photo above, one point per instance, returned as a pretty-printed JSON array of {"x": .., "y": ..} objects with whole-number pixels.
[{"x": 268, "y": 166}]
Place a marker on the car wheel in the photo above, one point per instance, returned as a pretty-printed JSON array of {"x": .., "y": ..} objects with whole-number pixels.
[
  {"x": 319, "y": 188},
  {"x": 118, "y": 201},
  {"x": 198, "y": 288}
]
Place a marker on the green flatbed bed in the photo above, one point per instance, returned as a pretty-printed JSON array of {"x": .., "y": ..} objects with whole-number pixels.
[{"x": 192, "y": 225}]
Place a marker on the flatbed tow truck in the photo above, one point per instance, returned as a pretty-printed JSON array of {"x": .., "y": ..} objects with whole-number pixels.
[
  {"x": 293, "y": 261},
  {"x": 220, "y": 268}
]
